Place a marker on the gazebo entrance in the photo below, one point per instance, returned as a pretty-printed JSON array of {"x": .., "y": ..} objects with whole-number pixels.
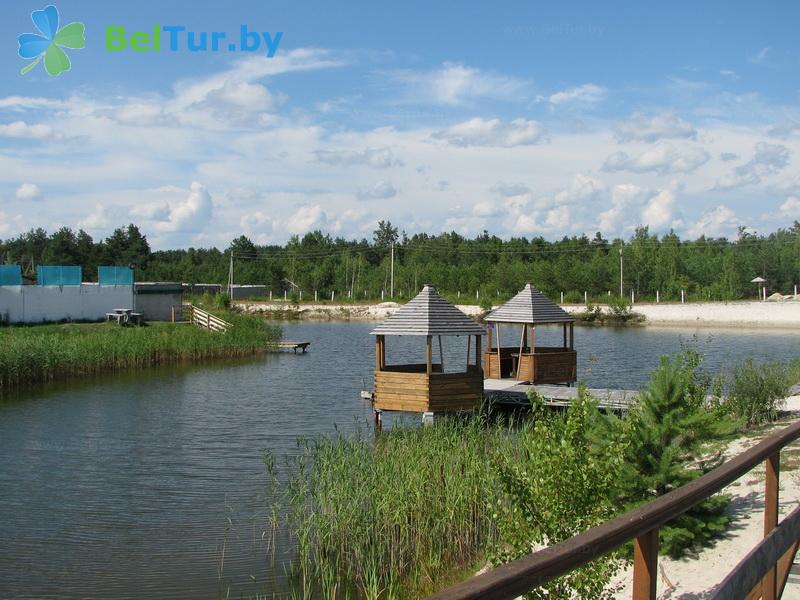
[{"x": 526, "y": 361}]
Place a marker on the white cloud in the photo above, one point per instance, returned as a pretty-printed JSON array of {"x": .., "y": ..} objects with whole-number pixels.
[
  {"x": 152, "y": 211},
  {"x": 659, "y": 210},
  {"x": 20, "y": 103},
  {"x": 380, "y": 191},
  {"x": 380, "y": 158},
  {"x": 662, "y": 159},
  {"x": 305, "y": 219},
  {"x": 759, "y": 57},
  {"x": 728, "y": 156},
  {"x": 729, "y": 74},
  {"x": 493, "y": 132},
  {"x": 510, "y": 189},
  {"x": 98, "y": 220},
  {"x": 588, "y": 93},
  {"x": 28, "y": 191},
  {"x": 768, "y": 159},
  {"x": 485, "y": 209},
  {"x": 455, "y": 84},
  {"x": 582, "y": 188},
  {"x": 20, "y": 129},
  {"x": 642, "y": 128},
  {"x": 558, "y": 218},
  {"x": 717, "y": 222},
  {"x": 190, "y": 215},
  {"x": 791, "y": 208},
  {"x": 784, "y": 129},
  {"x": 624, "y": 197}
]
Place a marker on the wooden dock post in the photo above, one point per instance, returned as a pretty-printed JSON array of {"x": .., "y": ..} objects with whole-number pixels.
[{"x": 769, "y": 585}]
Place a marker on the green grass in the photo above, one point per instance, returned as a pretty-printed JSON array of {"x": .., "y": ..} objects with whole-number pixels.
[{"x": 42, "y": 353}]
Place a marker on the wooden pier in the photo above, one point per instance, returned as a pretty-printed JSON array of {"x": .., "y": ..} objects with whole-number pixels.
[
  {"x": 511, "y": 393},
  {"x": 294, "y": 346}
]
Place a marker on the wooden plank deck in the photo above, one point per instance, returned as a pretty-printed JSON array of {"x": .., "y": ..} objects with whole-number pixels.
[
  {"x": 510, "y": 392},
  {"x": 294, "y": 346}
]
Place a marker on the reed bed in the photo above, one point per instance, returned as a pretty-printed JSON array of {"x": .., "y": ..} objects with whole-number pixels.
[
  {"x": 376, "y": 518},
  {"x": 406, "y": 512},
  {"x": 43, "y": 353}
]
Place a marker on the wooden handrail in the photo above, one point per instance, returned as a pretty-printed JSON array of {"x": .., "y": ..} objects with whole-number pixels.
[
  {"x": 753, "y": 567},
  {"x": 206, "y": 320},
  {"x": 522, "y": 575}
]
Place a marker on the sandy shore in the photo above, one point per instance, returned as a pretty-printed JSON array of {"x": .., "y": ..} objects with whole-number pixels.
[
  {"x": 695, "y": 578},
  {"x": 717, "y": 314},
  {"x": 711, "y": 314}
]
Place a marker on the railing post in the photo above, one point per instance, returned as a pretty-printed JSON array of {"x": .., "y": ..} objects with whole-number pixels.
[
  {"x": 769, "y": 584},
  {"x": 645, "y": 565}
]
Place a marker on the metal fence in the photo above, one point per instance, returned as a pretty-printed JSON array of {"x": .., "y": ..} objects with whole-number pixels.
[
  {"x": 115, "y": 276},
  {"x": 58, "y": 275},
  {"x": 10, "y": 275}
]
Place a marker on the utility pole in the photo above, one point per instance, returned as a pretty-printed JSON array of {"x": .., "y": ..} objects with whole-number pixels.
[
  {"x": 230, "y": 278},
  {"x": 391, "y": 285},
  {"x": 620, "y": 270}
]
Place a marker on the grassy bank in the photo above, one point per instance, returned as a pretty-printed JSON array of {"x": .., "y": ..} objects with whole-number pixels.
[{"x": 41, "y": 353}]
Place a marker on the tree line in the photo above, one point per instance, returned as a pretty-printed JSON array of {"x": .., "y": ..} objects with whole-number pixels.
[{"x": 485, "y": 266}]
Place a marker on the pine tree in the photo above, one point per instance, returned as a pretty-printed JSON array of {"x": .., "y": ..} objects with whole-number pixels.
[{"x": 662, "y": 439}]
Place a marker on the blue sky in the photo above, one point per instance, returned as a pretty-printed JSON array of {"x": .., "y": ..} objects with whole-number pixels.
[{"x": 522, "y": 118}]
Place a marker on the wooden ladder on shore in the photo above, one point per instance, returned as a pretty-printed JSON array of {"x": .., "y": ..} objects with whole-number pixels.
[{"x": 201, "y": 318}]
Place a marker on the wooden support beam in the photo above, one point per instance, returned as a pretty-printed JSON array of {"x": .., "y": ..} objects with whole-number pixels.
[
  {"x": 429, "y": 355},
  {"x": 769, "y": 585},
  {"x": 441, "y": 354},
  {"x": 565, "y": 335},
  {"x": 572, "y": 336},
  {"x": 469, "y": 341},
  {"x": 645, "y": 566},
  {"x": 499, "y": 361},
  {"x": 478, "y": 351}
]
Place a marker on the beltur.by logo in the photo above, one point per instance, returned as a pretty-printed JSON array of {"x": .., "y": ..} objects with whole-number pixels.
[
  {"x": 49, "y": 44},
  {"x": 176, "y": 38}
]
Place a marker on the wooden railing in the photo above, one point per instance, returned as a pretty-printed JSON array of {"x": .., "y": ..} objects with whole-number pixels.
[
  {"x": 206, "y": 320},
  {"x": 767, "y": 566}
]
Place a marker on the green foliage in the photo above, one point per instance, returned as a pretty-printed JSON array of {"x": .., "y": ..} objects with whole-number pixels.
[
  {"x": 397, "y": 514},
  {"x": 592, "y": 314},
  {"x": 222, "y": 301},
  {"x": 554, "y": 486},
  {"x": 662, "y": 443},
  {"x": 422, "y": 502},
  {"x": 716, "y": 269},
  {"x": 757, "y": 391},
  {"x": 620, "y": 308},
  {"x": 41, "y": 353}
]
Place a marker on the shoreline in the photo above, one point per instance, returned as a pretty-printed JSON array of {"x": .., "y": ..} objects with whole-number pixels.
[{"x": 740, "y": 315}]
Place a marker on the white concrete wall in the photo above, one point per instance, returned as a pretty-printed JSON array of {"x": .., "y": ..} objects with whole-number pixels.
[{"x": 87, "y": 302}]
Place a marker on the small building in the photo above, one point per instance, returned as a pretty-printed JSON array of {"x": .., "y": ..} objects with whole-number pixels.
[
  {"x": 527, "y": 361},
  {"x": 158, "y": 301},
  {"x": 425, "y": 386}
]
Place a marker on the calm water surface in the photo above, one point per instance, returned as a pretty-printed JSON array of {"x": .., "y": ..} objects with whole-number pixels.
[{"x": 152, "y": 485}]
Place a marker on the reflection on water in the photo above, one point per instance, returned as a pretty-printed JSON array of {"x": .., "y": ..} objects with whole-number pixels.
[{"x": 145, "y": 485}]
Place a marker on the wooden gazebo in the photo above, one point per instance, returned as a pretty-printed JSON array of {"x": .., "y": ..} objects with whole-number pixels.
[
  {"x": 527, "y": 361},
  {"x": 425, "y": 387}
]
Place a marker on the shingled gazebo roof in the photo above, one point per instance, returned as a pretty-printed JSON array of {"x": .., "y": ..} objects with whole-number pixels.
[
  {"x": 529, "y": 306},
  {"x": 428, "y": 314}
]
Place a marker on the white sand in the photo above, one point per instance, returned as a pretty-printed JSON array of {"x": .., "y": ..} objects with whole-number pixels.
[
  {"x": 717, "y": 314},
  {"x": 711, "y": 314},
  {"x": 333, "y": 312},
  {"x": 695, "y": 578}
]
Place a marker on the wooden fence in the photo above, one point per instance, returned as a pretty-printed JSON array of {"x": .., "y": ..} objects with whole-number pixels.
[
  {"x": 201, "y": 318},
  {"x": 762, "y": 574}
]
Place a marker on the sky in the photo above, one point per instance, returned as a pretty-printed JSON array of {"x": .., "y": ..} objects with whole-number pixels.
[{"x": 520, "y": 118}]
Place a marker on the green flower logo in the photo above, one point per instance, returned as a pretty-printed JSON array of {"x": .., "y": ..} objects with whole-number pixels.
[{"x": 49, "y": 44}]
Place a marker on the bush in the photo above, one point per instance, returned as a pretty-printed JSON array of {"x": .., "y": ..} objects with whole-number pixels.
[
  {"x": 222, "y": 301},
  {"x": 620, "y": 308},
  {"x": 757, "y": 391},
  {"x": 592, "y": 314}
]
